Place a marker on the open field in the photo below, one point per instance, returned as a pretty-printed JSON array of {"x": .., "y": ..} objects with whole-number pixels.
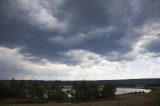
[{"x": 149, "y": 99}]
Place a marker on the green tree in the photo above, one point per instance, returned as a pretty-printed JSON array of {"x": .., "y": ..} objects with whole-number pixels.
[
  {"x": 56, "y": 93},
  {"x": 22, "y": 89},
  {"x": 13, "y": 90},
  {"x": 107, "y": 91},
  {"x": 85, "y": 91},
  {"x": 36, "y": 90},
  {"x": 3, "y": 90}
]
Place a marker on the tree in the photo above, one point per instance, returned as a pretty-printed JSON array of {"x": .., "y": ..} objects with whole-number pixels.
[
  {"x": 85, "y": 91},
  {"x": 22, "y": 89},
  {"x": 3, "y": 90},
  {"x": 13, "y": 90},
  {"x": 56, "y": 93},
  {"x": 36, "y": 90},
  {"x": 107, "y": 91}
]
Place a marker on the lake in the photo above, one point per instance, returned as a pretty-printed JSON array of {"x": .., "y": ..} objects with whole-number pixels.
[
  {"x": 120, "y": 90},
  {"x": 131, "y": 90}
]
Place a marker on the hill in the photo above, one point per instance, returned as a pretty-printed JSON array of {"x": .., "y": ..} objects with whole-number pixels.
[{"x": 124, "y": 82}]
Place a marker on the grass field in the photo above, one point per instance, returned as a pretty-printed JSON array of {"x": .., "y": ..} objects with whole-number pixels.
[{"x": 149, "y": 99}]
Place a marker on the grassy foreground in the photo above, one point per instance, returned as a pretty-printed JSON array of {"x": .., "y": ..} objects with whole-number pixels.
[{"x": 149, "y": 99}]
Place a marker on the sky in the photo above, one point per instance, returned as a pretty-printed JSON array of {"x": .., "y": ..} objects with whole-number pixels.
[{"x": 79, "y": 39}]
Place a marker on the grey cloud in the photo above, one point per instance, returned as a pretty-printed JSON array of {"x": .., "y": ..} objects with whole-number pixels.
[
  {"x": 82, "y": 19},
  {"x": 153, "y": 47}
]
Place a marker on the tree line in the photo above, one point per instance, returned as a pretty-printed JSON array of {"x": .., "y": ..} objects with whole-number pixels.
[{"x": 80, "y": 91}]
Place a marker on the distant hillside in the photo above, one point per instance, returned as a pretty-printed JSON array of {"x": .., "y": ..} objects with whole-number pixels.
[
  {"x": 127, "y": 82},
  {"x": 153, "y": 82}
]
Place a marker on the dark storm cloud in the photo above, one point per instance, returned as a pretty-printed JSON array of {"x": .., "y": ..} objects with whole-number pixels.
[
  {"x": 43, "y": 38},
  {"x": 153, "y": 46},
  {"x": 87, "y": 14}
]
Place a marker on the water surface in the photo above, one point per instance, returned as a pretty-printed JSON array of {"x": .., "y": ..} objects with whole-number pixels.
[{"x": 131, "y": 90}]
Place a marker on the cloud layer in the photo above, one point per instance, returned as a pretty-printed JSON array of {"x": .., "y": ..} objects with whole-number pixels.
[{"x": 68, "y": 39}]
